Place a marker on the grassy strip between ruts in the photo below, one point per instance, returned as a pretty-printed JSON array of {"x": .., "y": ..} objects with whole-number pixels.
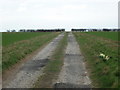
[
  {"x": 53, "y": 67},
  {"x": 103, "y": 73},
  {"x": 17, "y": 51}
]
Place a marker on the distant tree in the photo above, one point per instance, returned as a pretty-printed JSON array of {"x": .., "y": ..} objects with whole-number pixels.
[
  {"x": 106, "y": 29},
  {"x": 94, "y": 29},
  {"x": 8, "y": 30},
  {"x": 13, "y": 30}
]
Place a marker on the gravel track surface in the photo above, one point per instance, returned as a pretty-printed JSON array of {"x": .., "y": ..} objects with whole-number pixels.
[
  {"x": 73, "y": 73},
  {"x": 32, "y": 69}
]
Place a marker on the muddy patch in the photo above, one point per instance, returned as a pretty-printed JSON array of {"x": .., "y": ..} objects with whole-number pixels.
[
  {"x": 34, "y": 65},
  {"x": 68, "y": 85}
]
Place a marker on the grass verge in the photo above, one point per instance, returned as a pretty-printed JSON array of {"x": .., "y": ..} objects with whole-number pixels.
[
  {"x": 53, "y": 67},
  {"x": 15, "y": 52},
  {"x": 103, "y": 73},
  {"x": 0, "y": 52}
]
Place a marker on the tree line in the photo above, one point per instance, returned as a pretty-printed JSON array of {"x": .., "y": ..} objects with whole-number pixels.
[
  {"x": 86, "y": 30},
  {"x": 38, "y": 30}
]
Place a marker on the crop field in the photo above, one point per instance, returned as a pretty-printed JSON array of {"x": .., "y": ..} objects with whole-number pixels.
[
  {"x": 103, "y": 70},
  {"x": 17, "y": 46},
  {"x": 10, "y": 38},
  {"x": 107, "y": 35}
]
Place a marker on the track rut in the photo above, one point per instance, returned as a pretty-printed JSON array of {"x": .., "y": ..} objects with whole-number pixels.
[
  {"x": 73, "y": 73},
  {"x": 32, "y": 69}
]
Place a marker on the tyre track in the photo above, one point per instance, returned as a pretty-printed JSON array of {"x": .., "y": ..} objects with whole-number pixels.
[
  {"x": 32, "y": 69},
  {"x": 73, "y": 73}
]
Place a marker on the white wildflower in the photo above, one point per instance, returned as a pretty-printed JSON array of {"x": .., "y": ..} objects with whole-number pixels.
[
  {"x": 107, "y": 57},
  {"x": 102, "y": 55}
]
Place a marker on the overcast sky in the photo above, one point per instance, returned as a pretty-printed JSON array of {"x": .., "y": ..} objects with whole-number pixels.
[{"x": 29, "y": 14}]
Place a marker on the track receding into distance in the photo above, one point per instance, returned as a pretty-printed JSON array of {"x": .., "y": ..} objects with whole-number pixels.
[{"x": 73, "y": 73}]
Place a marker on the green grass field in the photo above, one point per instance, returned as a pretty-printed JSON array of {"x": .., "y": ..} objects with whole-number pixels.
[
  {"x": 10, "y": 38},
  {"x": 104, "y": 73},
  {"x": 108, "y": 35},
  {"x": 20, "y": 45}
]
